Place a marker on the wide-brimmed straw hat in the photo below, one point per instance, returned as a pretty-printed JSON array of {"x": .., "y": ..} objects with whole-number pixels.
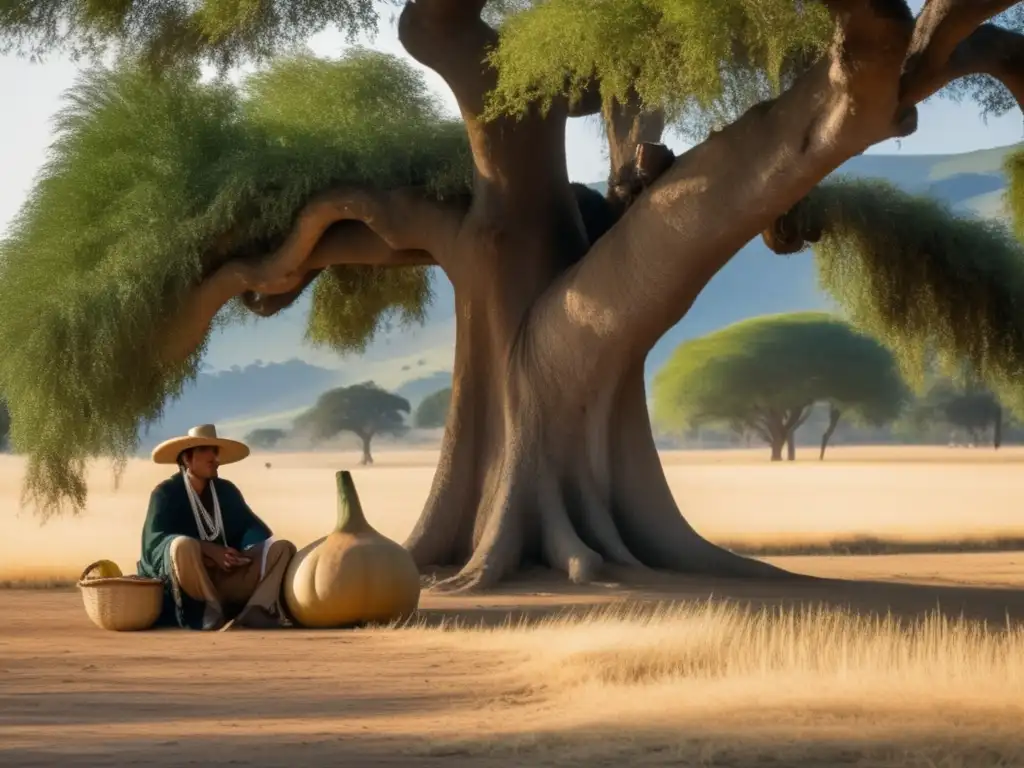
[{"x": 205, "y": 435}]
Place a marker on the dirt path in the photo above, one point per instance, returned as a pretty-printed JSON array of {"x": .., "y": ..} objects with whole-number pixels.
[{"x": 73, "y": 695}]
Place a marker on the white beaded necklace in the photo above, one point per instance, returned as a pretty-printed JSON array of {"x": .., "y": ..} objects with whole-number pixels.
[{"x": 209, "y": 527}]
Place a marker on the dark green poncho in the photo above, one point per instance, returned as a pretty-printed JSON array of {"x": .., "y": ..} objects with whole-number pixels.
[{"x": 170, "y": 515}]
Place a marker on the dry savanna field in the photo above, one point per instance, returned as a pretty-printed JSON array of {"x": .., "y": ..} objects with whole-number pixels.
[{"x": 912, "y": 659}]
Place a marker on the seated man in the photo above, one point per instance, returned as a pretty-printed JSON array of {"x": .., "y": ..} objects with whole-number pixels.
[{"x": 216, "y": 555}]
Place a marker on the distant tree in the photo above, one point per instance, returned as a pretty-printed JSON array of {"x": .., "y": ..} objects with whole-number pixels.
[
  {"x": 5, "y": 425},
  {"x": 364, "y": 409},
  {"x": 432, "y": 412},
  {"x": 763, "y": 376},
  {"x": 265, "y": 437},
  {"x": 969, "y": 406}
]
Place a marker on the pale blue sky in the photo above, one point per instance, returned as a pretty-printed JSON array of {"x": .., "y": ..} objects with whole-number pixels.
[{"x": 31, "y": 93}]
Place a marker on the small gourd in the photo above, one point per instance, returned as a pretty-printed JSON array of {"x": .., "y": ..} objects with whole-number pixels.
[
  {"x": 102, "y": 569},
  {"x": 354, "y": 575}
]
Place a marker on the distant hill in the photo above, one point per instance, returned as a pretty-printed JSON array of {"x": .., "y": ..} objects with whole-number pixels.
[
  {"x": 240, "y": 394},
  {"x": 260, "y": 394}
]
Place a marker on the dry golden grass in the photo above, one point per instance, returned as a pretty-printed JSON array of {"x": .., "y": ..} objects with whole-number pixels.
[
  {"x": 714, "y": 683},
  {"x": 876, "y": 545},
  {"x": 905, "y": 499}
]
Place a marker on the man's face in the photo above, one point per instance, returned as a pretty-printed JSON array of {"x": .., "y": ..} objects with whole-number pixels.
[{"x": 203, "y": 463}]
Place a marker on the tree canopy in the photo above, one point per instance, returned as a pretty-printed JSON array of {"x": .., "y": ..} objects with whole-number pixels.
[
  {"x": 764, "y": 374},
  {"x": 364, "y": 409},
  {"x": 702, "y": 63},
  {"x": 965, "y": 406},
  {"x": 265, "y": 437},
  {"x": 153, "y": 185},
  {"x": 167, "y": 31},
  {"x": 432, "y": 412}
]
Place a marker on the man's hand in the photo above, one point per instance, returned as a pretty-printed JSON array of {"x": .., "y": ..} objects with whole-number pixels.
[
  {"x": 225, "y": 558},
  {"x": 235, "y": 558}
]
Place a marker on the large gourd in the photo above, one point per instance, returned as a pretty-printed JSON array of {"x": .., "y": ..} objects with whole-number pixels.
[{"x": 354, "y": 575}]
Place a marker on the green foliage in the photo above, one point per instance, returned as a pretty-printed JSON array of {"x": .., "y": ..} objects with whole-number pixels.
[
  {"x": 151, "y": 185},
  {"x": 679, "y": 54},
  {"x": 971, "y": 408},
  {"x": 933, "y": 286},
  {"x": 350, "y": 304},
  {"x": 265, "y": 437},
  {"x": 1013, "y": 166},
  {"x": 432, "y": 412},
  {"x": 220, "y": 32},
  {"x": 705, "y": 62},
  {"x": 363, "y": 409},
  {"x": 751, "y": 372}
]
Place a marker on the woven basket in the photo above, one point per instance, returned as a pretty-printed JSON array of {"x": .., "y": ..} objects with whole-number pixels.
[{"x": 122, "y": 603}]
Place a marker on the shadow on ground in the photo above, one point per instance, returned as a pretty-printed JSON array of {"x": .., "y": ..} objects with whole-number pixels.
[
  {"x": 691, "y": 743},
  {"x": 540, "y": 595},
  {"x": 191, "y": 705}
]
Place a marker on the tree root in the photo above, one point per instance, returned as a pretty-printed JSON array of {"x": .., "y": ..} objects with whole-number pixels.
[
  {"x": 598, "y": 525},
  {"x": 563, "y": 547},
  {"x": 607, "y": 512},
  {"x": 646, "y": 512}
]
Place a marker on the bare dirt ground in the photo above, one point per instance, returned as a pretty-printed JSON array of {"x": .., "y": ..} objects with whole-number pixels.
[
  {"x": 693, "y": 672},
  {"x": 667, "y": 676}
]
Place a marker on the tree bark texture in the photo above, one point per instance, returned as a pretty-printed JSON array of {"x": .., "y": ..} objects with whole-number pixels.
[
  {"x": 548, "y": 455},
  {"x": 834, "y": 415},
  {"x": 365, "y": 439},
  {"x": 777, "y": 446},
  {"x": 777, "y": 427}
]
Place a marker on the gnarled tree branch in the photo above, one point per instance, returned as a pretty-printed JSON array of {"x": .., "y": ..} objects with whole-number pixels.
[
  {"x": 941, "y": 27},
  {"x": 450, "y": 37},
  {"x": 644, "y": 274},
  {"x": 269, "y": 304},
  {"x": 989, "y": 50},
  {"x": 589, "y": 102},
  {"x": 948, "y": 44},
  {"x": 628, "y": 125},
  {"x": 519, "y": 160},
  {"x": 405, "y": 219},
  {"x": 346, "y": 242},
  {"x": 792, "y": 231}
]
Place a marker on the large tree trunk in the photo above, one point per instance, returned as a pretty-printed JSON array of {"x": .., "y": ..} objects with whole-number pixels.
[
  {"x": 997, "y": 429},
  {"x": 537, "y": 465},
  {"x": 365, "y": 439},
  {"x": 523, "y": 479},
  {"x": 548, "y": 454},
  {"x": 778, "y": 427}
]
